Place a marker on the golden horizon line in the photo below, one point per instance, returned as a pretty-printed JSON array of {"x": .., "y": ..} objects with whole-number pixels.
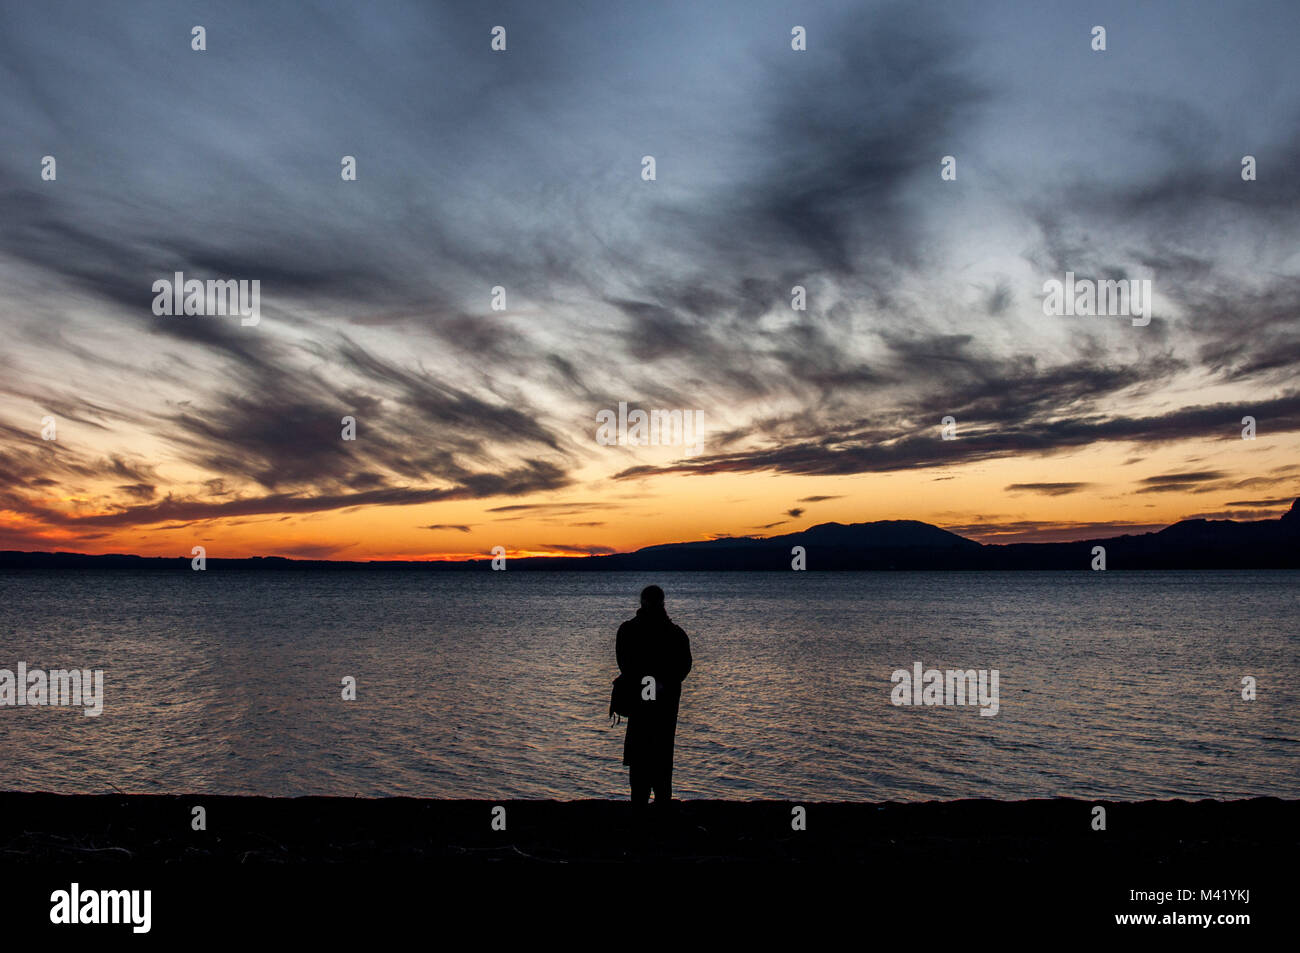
[{"x": 1044, "y": 528}]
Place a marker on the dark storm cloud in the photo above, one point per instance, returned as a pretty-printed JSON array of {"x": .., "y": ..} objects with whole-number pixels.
[
  {"x": 140, "y": 491},
  {"x": 833, "y": 191},
  {"x": 1236, "y": 309},
  {"x": 1004, "y": 405},
  {"x": 1245, "y": 333},
  {"x": 33, "y": 463},
  {"x": 200, "y": 174},
  {"x": 835, "y": 186},
  {"x": 86, "y": 248},
  {"x": 268, "y": 418},
  {"x": 880, "y": 450},
  {"x": 285, "y": 431},
  {"x": 1270, "y": 481},
  {"x": 534, "y": 477},
  {"x": 473, "y": 420},
  {"x": 999, "y": 299}
]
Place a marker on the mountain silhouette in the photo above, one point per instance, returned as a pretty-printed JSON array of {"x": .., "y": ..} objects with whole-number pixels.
[
  {"x": 879, "y": 545},
  {"x": 908, "y": 544}
]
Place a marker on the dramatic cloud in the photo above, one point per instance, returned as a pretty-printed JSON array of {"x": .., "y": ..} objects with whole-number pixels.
[
  {"x": 874, "y": 449},
  {"x": 387, "y": 371}
]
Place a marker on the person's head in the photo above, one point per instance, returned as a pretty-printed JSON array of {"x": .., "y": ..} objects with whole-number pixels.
[{"x": 652, "y": 597}]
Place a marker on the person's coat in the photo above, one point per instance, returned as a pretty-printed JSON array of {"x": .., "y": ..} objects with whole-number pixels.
[{"x": 651, "y": 644}]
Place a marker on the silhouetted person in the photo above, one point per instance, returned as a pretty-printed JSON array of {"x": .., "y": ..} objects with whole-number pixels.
[{"x": 651, "y": 644}]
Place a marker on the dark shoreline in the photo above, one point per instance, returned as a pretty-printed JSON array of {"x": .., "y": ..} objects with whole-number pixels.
[
  {"x": 713, "y": 873},
  {"x": 156, "y": 829}
]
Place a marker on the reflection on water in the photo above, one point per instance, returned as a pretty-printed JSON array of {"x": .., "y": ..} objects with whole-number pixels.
[{"x": 495, "y": 685}]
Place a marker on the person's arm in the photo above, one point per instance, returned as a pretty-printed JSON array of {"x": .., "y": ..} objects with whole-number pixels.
[
  {"x": 620, "y": 649},
  {"x": 686, "y": 659}
]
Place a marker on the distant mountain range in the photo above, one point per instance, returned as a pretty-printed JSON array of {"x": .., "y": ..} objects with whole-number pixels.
[{"x": 881, "y": 545}]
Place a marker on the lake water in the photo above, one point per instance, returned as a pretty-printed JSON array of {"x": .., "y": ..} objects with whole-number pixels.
[{"x": 495, "y": 685}]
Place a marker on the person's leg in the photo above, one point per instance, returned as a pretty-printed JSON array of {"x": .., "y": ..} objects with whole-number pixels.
[
  {"x": 663, "y": 766},
  {"x": 635, "y": 757},
  {"x": 641, "y": 784},
  {"x": 664, "y": 786}
]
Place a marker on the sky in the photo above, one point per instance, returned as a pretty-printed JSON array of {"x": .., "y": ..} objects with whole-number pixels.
[{"x": 522, "y": 170}]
